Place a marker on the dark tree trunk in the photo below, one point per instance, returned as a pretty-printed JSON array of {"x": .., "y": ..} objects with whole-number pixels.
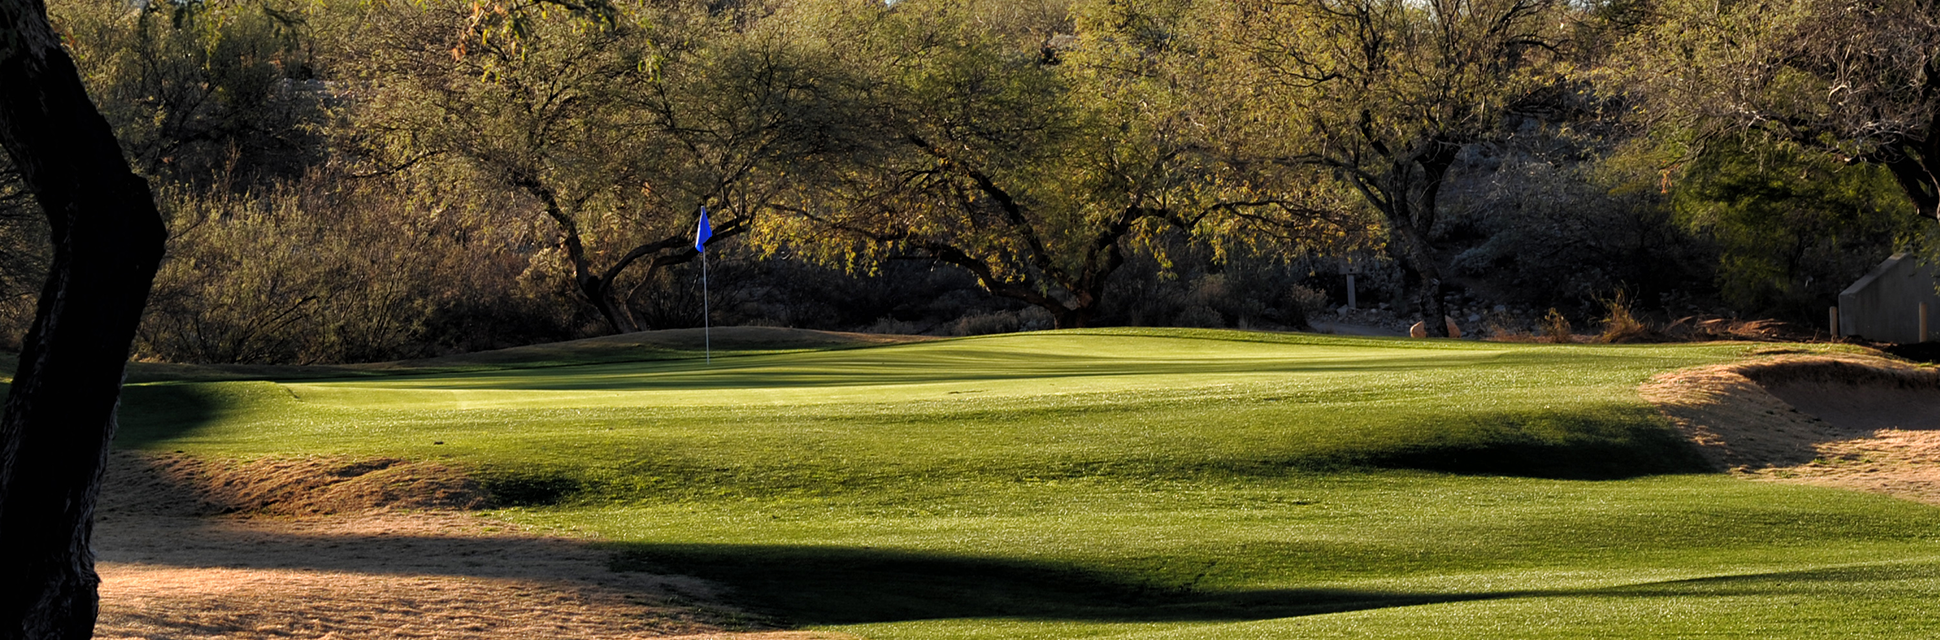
[
  {"x": 107, "y": 240},
  {"x": 1412, "y": 252},
  {"x": 1067, "y": 318},
  {"x": 1919, "y": 176},
  {"x": 599, "y": 292},
  {"x": 1409, "y": 248},
  {"x": 673, "y": 250},
  {"x": 1411, "y": 210}
]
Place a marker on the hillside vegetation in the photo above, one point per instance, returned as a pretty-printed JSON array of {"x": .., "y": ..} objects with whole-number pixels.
[{"x": 348, "y": 181}]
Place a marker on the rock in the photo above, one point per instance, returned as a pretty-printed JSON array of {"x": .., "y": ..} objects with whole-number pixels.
[
  {"x": 1453, "y": 331},
  {"x": 1501, "y": 308},
  {"x": 1420, "y": 330},
  {"x": 1474, "y": 318}
]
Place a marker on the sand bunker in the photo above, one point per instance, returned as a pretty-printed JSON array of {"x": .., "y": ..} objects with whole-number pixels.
[
  {"x": 382, "y": 567},
  {"x": 1841, "y": 420}
]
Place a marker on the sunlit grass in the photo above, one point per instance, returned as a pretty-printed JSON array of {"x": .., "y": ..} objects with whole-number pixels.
[{"x": 1157, "y": 483}]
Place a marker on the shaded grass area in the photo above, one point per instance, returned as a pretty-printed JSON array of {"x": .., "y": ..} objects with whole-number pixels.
[
  {"x": 1134, "y": 483},
  {"x": 1066, "y": 560},
  {"x": 823, "y": 586},
  {"x": 678, "y": 344},
  {"x": 900, "y": 595}
]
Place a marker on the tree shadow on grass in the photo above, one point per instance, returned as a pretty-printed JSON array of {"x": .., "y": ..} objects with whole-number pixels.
[
  {"x": 825, "y": 585},
  {"x": 1753, "y": 584},
  {"x": 1611, "y": 444},
  {"x": 154, "y": 413},
  {"x": 813, "y": 585}
]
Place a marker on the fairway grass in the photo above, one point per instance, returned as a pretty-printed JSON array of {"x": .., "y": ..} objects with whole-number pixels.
[{"x": 1132, "y": 483}]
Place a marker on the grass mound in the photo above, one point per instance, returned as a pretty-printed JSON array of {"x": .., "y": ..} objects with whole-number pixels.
[
  {"x": 283, "y": 486},
  {"x": 1778, "y": 370}
]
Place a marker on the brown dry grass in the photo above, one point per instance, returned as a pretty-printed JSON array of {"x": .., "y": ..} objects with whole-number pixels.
[
  {"x": 1844, "y": 420},
  {"x": 377, "y": 569},
  {"x": 311, "y": 485}
]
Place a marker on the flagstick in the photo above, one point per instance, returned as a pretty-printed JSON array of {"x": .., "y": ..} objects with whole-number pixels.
[{"x": 707, "y": 322}]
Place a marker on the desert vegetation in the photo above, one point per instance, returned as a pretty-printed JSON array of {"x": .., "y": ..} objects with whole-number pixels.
[{"x": 353, "y": 181}]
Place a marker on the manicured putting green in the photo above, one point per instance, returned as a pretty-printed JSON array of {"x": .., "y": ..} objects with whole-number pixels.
[{"x": 1135, "y": 484}]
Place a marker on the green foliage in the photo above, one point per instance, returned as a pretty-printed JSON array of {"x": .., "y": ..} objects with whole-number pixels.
[
  {"x": 1163, "y": 161},
  {"x": 1853, "y": 80},
  {"x": 1793, "y": 226},
  {"x": 328, "y": 269},
  {"x": 1385, "y": 95},
  {"x": 614, "y": 126},
  {"x": 219, "y": 93},
  {"x": 1035, "y": 146},
  {"x": 1262, "y": 289},
  {"x": 1552, "y": 219}
]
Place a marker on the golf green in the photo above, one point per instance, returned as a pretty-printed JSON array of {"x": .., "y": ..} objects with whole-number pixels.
[{"x": 1131, "y": 483}]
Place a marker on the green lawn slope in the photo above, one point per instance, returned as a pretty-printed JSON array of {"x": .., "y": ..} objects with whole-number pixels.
[{"x": 1126, "y": 484}]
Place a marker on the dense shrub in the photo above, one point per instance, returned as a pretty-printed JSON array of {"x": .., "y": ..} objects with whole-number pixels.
[
  {"x": 1551, "y": 227},
  {"x": 332, "y": 270},
  {"x": 1793, "y": 228},
  {"x": 1197, "y": 288}
]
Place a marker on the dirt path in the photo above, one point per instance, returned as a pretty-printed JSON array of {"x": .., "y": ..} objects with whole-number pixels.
[
  {"x": 1849, "y": 421},
  {"x": 171, "y": 570}
]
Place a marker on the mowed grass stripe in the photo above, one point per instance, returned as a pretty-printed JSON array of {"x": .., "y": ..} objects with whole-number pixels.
[{"x": 1135, "y": 483}]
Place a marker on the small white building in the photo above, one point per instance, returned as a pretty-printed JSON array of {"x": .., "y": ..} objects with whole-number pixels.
[{"x": 1885, "y": 306}]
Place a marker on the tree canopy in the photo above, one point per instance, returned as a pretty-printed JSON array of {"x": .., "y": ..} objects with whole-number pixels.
[
  {"x": 471, "y": 174},
  {"x": 1860, "y": 81}
]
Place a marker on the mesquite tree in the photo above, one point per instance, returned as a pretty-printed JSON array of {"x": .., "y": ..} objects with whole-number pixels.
[
  {"x": 60, "y": 414},
  {"x": 1033, "y": 145},
  {"x": 1857, "y": 80},
  {"x": 1386, "y": 94},
  {"x": 617, "y": 121}
]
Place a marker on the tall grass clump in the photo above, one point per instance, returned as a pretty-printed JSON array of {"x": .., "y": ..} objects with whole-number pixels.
[
  {"x": 1555, "y": 328},
  {"x": 1620, "y": 323}
]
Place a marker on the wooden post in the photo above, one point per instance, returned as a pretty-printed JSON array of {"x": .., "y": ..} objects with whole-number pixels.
[
  {"x": 1832, "y": 317},
  {"x": 1350, "y": 292},
  {"x": 1923, "y": 322}
]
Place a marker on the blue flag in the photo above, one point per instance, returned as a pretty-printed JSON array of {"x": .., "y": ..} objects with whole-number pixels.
[{"x": 702, "y": 233}]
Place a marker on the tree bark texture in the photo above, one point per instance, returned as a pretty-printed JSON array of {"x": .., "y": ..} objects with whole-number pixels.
[
  {"x": 1918, "y": 173},
  {"x": 1411, "y": 251},
  {"x": 1435, "y": 161},
  {"x": 598, "y": 289},
  {"x": 1409, "y": 201},
  {"x": 108, "y": 241}
]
